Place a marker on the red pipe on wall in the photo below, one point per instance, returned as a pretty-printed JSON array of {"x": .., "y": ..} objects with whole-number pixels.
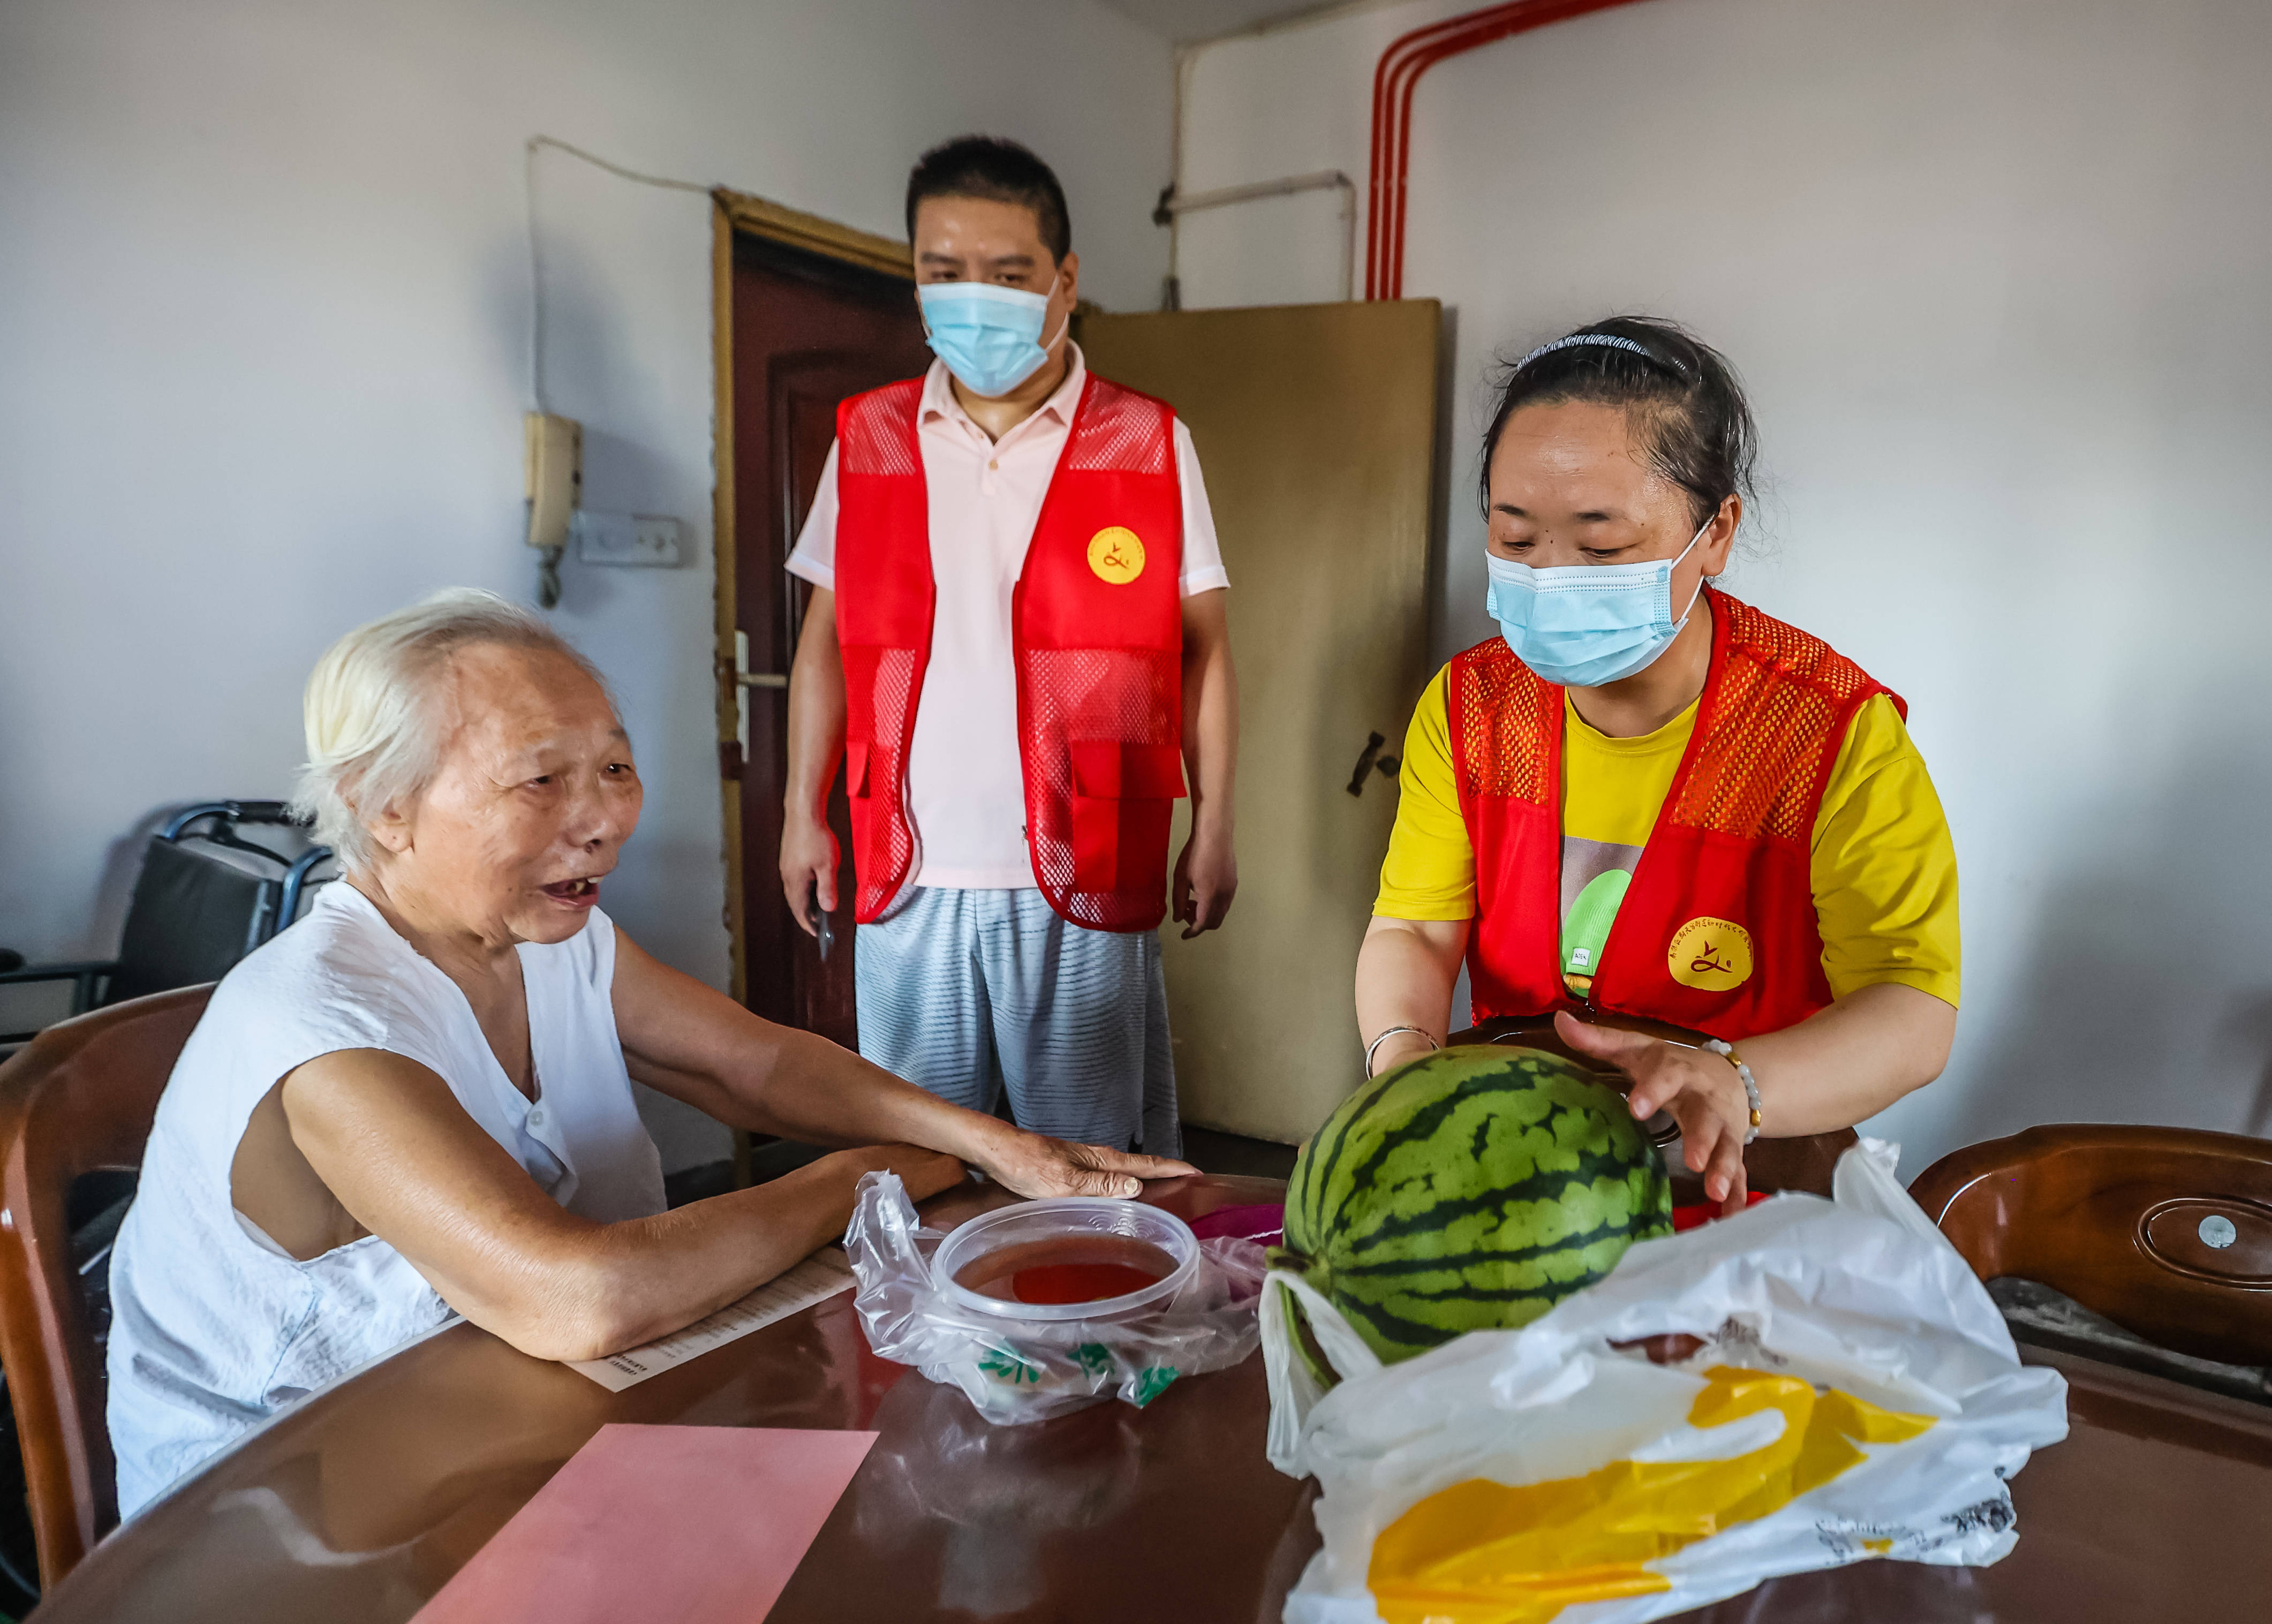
[{"x": 1393, "y": 81}]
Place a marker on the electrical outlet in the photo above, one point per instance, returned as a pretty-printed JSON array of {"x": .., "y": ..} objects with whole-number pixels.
[{"x": 640, "y": 540}]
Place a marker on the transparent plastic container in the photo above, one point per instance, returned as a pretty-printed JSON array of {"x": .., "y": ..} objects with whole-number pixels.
[
  {"x": 1071, "y": 1342},
  {"x": 1078, "y": 1230}
]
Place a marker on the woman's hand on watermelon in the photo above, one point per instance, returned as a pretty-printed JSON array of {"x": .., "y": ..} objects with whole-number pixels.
[{"x": 1700, "y": 1090}]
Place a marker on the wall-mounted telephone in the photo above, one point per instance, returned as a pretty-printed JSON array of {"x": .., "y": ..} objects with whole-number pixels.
[{"x": 555, "y": 487}]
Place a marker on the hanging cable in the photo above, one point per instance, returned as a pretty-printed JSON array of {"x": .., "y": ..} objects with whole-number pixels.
[
  {"x": 548, "y": 571},
  {"x": 536, "y": 243}
]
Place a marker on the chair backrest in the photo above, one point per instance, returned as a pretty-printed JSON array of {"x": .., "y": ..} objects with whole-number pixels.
[
  {"x": 79, "y": 1099},
  {"x": 2166, "y": 1232},
  {"x": 1804, "y": 1164}
]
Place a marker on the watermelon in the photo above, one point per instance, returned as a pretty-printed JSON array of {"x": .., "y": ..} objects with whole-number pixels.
[{"x": 1472, "y": 1189}]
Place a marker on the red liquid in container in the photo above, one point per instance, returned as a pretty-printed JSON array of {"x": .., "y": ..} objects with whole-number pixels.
[
  {"x": 1067, "y": 1268},
  {"x": 1076, "y": 1283}
]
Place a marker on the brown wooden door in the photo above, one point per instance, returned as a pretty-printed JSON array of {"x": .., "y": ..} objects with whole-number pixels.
[{"x": 807, "y": 331}]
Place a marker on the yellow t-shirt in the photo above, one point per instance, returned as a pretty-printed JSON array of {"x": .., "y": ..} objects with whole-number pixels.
[{"x": 1882, "y": 866}]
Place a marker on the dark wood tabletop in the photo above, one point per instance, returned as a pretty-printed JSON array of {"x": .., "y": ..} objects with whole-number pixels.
[{"x": 357, "y": 1506}]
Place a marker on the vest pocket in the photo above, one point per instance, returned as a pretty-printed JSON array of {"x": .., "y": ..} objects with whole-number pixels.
[{"x": 1123, "y": 802}]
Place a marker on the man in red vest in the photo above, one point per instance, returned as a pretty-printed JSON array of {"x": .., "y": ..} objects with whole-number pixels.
[{"x": 1017, "y": 648}]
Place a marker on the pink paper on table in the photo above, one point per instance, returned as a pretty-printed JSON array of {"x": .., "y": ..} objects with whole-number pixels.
[{"x": 690, "y": 1523}]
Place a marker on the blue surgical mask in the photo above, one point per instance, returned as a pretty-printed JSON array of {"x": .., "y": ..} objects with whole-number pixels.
[
  {"x": 989, "y": 336},
  {"x": 1582, "y": 625}
]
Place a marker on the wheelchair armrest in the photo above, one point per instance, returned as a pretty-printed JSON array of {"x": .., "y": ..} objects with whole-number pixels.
[
  {"x": 69, "y": 969},
  {"x": 88, "y": 974}
]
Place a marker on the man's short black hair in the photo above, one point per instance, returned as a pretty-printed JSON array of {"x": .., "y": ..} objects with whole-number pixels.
[{"x": 987, "y": 166}]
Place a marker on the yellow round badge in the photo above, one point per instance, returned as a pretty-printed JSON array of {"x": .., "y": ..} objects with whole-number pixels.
[
  {"x": 1711, "y": 954},
  {"x": 1116, "y": 555}
]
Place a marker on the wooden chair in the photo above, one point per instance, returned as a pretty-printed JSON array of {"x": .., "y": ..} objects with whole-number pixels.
[
  {"x": 2166, "y": 1232},
  {"x": 79, "y": 1099},
  {"x": 1769, "y": 1164}
]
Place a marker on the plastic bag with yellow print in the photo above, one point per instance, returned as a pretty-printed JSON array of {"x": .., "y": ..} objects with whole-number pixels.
[{"x": 1855, "y": 1396}]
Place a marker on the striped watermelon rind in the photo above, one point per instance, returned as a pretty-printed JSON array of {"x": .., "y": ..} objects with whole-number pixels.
[{"x": 1470, "y": 1189}]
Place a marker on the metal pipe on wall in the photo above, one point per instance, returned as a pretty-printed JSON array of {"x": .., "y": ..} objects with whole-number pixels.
[
  {"x": 1172, "y": 207},
  {"x": 1393, "y": 80},
  {"x": 1168, "y": 211}
]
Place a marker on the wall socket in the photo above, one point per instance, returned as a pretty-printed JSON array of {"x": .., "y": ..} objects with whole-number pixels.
[{"x": 642, "y": 540}]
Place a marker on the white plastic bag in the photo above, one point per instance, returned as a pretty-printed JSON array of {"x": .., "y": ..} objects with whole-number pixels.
[
  {"x": 1857, "y": 1396},
  {"x": 1017, "y": 1371}
]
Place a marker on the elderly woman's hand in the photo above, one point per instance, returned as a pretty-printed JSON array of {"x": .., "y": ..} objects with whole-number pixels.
[{"x": 1035, "y": 1165}]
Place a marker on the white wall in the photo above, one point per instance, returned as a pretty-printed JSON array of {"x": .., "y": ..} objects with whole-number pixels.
[
  {"x": 1996, "y": 271},
  {"x": 263, "y": 352}
]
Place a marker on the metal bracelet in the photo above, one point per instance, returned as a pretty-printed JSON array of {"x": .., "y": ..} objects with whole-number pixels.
[
  {"x": 1390, "y": 1033},
  {"x": 1727, "y": 1051}
]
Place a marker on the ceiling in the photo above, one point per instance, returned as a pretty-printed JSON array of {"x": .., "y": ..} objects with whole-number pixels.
[{"x": 1182, "y": 20}]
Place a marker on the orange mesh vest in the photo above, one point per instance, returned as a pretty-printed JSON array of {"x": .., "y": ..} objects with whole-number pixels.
[
  {"x": 1718, "y": 930},
  {"x": 1096, "y": 622}
]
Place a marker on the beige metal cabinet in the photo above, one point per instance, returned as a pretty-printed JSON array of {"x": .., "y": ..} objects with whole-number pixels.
[{"x": 1316, "y": 429}]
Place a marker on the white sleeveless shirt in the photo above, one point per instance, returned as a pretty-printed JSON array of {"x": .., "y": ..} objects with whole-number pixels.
[{"x": 214, "y": 1327}]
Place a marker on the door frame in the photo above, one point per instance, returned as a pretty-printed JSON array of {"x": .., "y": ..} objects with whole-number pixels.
[{"x": 734, "y": 212}]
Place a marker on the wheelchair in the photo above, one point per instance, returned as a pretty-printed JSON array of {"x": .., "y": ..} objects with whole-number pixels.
[{"x": 205, "y": 897}]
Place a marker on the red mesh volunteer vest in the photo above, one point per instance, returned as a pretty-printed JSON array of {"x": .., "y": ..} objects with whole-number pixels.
[
  {"x": 1096, "y": 625},
  {"x": 1717, "y": 931}
]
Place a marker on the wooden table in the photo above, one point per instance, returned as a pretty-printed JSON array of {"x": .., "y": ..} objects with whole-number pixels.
[{"x": 359, "y": 1504}]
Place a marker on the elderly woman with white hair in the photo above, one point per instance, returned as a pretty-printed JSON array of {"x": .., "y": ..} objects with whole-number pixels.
[{"x": 418, "y": 1100}]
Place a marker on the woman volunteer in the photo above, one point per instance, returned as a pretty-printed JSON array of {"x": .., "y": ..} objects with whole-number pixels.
[{"x": 1646, "y": 798}]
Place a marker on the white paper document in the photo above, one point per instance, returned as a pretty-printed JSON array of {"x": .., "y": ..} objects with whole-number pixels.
[{"x": 816, "y": 1279}]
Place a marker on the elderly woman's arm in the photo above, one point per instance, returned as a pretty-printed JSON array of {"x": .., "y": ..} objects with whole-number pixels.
[
  {"x": 393, "y": 1145},
  {"x": 696, "y": 1044}
]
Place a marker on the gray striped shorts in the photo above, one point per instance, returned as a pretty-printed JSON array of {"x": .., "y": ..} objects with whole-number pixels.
[{"x": 968, "y": 994}]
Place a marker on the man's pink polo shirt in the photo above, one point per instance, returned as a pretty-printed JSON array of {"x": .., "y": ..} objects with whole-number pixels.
[{"x": 965, "y": 786}]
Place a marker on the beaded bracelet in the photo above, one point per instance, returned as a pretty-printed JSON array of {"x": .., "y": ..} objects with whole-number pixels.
[{"x": 1727, "y": 1051}]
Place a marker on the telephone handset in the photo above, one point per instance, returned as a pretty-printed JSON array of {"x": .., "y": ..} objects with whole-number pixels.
[{"x": 556, "y": 488}]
